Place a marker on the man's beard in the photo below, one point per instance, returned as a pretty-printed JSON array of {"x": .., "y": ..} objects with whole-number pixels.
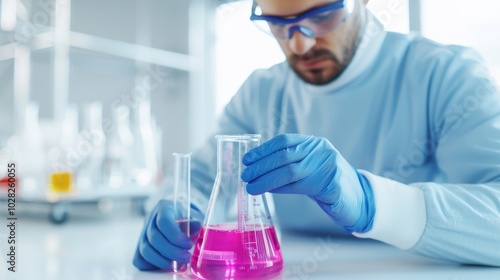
[{"x": 319, "y": 76}]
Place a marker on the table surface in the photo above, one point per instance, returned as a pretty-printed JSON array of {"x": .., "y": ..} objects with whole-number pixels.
[{"x": 99, "y": 245}]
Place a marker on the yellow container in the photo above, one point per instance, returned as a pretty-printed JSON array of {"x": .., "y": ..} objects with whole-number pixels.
[{"x": 60, "y": 182}]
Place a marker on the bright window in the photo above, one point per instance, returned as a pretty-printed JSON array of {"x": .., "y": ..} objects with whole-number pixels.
[
  {"x": 240, "y": 49},
  {"x": 392, "y": 13},
  {"x": 470, "y": 23}
]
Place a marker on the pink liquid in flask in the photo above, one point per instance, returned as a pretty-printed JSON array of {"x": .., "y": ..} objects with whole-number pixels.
[{"x": 224, "y": 252}]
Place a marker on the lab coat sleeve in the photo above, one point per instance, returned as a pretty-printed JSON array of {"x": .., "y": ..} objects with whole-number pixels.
[{"x": 459, "y": 220}]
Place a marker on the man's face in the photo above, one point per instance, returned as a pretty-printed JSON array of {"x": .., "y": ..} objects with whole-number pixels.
[{"x": 322, "y": 59}]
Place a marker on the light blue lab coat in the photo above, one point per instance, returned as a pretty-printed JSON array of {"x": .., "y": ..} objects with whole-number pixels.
[{"x": 408, "y": 109}]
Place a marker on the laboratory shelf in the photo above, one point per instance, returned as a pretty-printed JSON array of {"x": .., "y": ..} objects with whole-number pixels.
[
  {"x": 107, "y": 46},
  {"x": 62, "y": 50}
]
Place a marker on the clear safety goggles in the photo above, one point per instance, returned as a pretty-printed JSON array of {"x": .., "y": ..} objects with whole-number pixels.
[{"x": 315, "y": 22}]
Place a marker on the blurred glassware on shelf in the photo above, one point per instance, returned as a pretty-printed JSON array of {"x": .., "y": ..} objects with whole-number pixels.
[
  {"x": 92, "y": 143},
  {"x": 28, "y": 151},
  {"x": 158, "y": 135},
  {"x": 119, "y": 156},
  {"x": 144, "y": 167},
  {"x": 69, "y": 127}
]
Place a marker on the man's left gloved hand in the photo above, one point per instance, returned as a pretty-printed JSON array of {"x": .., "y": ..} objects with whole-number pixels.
[{"x": 302, "y": 164}]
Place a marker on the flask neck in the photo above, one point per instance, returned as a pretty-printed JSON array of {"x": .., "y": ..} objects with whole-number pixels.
[{"x": 230, "y": 151}]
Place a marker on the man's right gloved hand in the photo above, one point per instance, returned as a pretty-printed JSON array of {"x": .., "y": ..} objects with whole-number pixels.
[{"x": 162, "y": 241}]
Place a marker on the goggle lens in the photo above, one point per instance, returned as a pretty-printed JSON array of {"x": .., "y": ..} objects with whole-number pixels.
[{"x": 314, "y": 23}]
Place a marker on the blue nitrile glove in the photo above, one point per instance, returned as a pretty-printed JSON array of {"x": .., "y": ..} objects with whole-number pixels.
[
  {"x": 302, "y": 164},
  {"x": 162, "y": 241}
]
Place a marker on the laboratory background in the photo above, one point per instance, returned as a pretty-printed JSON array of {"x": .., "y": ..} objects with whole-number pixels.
[{"x": 96, "y": 96}]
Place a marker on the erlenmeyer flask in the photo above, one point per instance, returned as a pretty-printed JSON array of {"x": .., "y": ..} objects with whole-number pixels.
[{"x": 238, "y": 239}]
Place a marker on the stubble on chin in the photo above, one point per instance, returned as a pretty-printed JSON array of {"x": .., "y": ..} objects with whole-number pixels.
[{"x": 318, "y": 76}]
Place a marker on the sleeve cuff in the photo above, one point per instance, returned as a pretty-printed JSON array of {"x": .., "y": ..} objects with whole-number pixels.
[{"x": 400, "y": 215}]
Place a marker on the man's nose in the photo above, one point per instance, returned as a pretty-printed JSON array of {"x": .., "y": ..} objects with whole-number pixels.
[{"x": 300, "y": 44}]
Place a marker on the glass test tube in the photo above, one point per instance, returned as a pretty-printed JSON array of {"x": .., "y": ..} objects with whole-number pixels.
[{"x": 182, "y": 198}]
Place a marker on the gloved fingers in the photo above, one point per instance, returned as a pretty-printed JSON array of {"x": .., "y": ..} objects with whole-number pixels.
[
  {"x": 169, "y": 227},
  {"x": 298, "y": 187},
  {"x": 314, "y": 186},
  {"x": 150, "y": 255},
  {"x": 272, "y": 162},
  {"x": 277, "y": 178},
  {"x": 161, "y": 245},
  {"x": 279, "y": 142},
  {"x": 141, "y": 263}
]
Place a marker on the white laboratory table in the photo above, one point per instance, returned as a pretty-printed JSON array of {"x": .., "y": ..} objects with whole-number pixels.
[{"x": 95, "y": 245}]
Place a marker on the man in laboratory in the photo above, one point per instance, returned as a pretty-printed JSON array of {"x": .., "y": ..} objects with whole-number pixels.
[{"x": 392, "y": 137}]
